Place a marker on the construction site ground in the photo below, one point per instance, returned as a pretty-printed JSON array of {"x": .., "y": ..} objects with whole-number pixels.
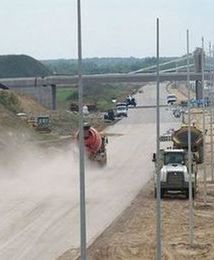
[{"x": 132, "y": 236}]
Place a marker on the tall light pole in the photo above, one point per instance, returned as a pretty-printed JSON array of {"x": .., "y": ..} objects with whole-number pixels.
[
  {"x": 204, "y": 134},
  {"x": 81, "y": 142},
  {"x": 211, "y": 113},
  {"x": 189, "y": 150},
  {"x": 158, "y": 200}
]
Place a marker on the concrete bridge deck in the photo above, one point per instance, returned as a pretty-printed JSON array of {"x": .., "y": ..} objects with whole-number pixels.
[{"x": 65, "y": 80}]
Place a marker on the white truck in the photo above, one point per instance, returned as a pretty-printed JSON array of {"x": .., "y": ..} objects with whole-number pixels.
[
  {"x": 171, "y": 99},
  {"x": 121, "y": 109},
  {"x": 174, "y": 172}
]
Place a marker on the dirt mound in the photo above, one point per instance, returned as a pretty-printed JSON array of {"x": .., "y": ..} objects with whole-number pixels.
[
  {"x": 22, "y": 66},
  {"x": 11, "y": 124},
  {"x": 30, "y": 106}
]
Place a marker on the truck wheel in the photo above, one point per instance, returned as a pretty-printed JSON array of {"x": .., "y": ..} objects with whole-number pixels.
[
  {"x": 193, "y": 193},
  {"x": 162, "y": 192},
  {"x": 187, "y": 193},
  {"x": 200, "y": 154}
]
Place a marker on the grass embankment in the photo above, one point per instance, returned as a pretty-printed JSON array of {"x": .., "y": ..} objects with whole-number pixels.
[{"x": 63, "y": 123}]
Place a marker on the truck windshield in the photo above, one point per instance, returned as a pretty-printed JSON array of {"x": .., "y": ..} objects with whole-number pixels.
[
  {"x": 121, "y": 108},
  {"x": 173, "y": 158},
  {"x": 171, "y": 97}
]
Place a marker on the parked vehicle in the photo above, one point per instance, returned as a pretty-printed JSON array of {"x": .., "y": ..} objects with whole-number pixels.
[
  {"x": 121, "y": 111},
  {"x": 40, "y": 123},
  {"x": 119, "y": 104},
  {"x": 171, "y": 99},
  {"x": 177, "y": 112},
  {"x": 109, "y": 115},
  {"x": 130, "y": 101}
]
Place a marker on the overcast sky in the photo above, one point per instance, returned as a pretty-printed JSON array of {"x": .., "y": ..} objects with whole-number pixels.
[{"x": 47, "y": 29}]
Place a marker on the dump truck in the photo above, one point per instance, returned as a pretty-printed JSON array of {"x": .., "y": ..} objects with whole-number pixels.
[
  {"x": 95, "y": 145},
  {"x": 174, "y": 166},
  {"x": 174, "y": 172},
  {"x": 180, "y": 141}
]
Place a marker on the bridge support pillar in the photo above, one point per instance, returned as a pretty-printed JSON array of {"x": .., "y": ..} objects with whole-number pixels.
[
  {"x": 198, "y": 69},
  {"x": 53, "y": 94},
  {"x": 198, "y": 89}
]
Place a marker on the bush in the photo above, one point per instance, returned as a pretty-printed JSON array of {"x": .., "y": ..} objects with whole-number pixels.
[{"x": 10, "y": 101}]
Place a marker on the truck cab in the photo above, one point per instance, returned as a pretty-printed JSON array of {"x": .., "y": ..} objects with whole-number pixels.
[{"x": 174, "y": 172}]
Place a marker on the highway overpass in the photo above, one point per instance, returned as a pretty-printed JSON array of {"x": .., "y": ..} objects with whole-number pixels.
[
  {"x": 44, "y": 89},
  {"x": 65, "y": 80}
]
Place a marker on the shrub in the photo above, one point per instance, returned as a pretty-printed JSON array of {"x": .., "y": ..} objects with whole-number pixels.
[{"x": 10, "y": 101}]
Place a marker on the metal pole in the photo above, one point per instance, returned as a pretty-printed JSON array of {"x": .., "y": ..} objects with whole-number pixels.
[
  {"x": 212, "y": 103},
  {"x": 189, "y": 150},
  {"x": 81, "y": 142},
  {"x": 158, "y": 201},
  {"x": 211, "y": 113},
  {"x": 204, "y": 142}
]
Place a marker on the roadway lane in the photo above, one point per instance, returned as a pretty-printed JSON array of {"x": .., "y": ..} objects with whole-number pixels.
[{"x": 39, "y": 202}]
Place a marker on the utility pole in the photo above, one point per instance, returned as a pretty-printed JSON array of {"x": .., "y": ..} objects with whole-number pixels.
[
  {"x": 211, "y": 113},
  {"x": 158, "y": 200},
  {"x": 204, "y": 134},
  {"x": 81, "y": 142},
  {"x": 189, "y": 150}
]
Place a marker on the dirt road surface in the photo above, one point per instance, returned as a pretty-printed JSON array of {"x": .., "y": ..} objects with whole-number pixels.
[
  {"x": 132, "y": 236},
  {"x": 39, "y": 200}
]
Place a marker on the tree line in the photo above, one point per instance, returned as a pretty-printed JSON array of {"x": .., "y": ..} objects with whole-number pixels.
[{"x": 101, "y": 65}]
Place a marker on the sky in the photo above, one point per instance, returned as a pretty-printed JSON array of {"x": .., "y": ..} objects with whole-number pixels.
[{"x": 47, "y": 29}]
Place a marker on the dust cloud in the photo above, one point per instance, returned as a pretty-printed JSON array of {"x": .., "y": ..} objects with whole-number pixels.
[{"x": 26, "y": 169}]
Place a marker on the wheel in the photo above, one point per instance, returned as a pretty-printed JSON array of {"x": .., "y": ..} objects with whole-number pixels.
[
  {"x": 193, "y": 193},
  {"x": 201, "y": 154},
  {"x": 162, "y": 192},
  {"x": 103, "y": 162},
  {"x": 187, "y": 193}
]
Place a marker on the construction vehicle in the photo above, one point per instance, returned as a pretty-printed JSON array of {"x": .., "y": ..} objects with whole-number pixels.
[
  {"x": 95, "y": 145},
  {"x": 40, "y": 123},
  {"x": 180, "y": 141},
  {"x": 121, "y": 111},
  {"x": 109, "y": 115},
  {"x": 131, "y": 102},
  {"x": 173, "y": 165},
  {"x": 171, "y": 99},
  {"x": 174, "y": 172}
]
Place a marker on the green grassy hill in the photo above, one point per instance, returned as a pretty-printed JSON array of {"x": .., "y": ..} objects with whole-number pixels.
[{"x": 12, "y": 66}]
